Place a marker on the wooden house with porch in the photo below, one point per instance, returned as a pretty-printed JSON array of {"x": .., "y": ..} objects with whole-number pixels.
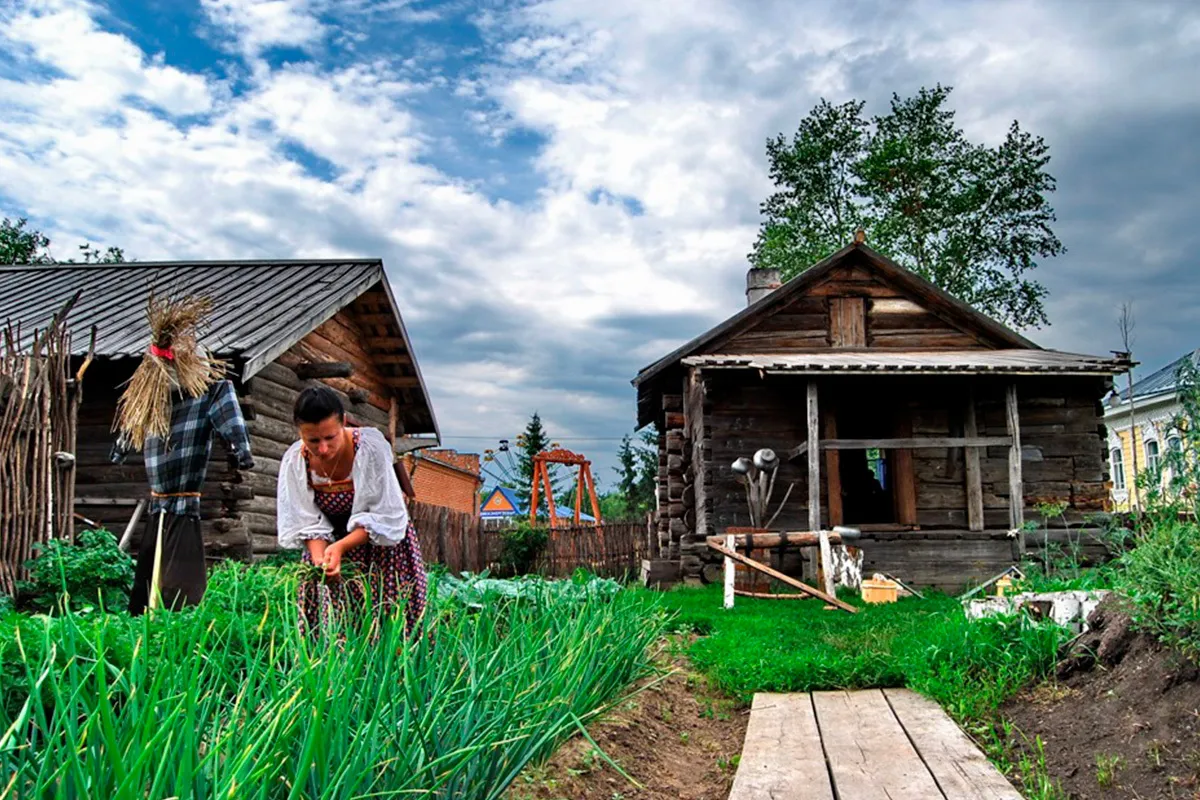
[
  {"x": 281, "y": 325},
  {"x": 895, "y": 408}
]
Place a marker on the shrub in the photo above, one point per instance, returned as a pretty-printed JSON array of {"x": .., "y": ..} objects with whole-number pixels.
[
  {"x": 523, "y": 544},
  {"x": 93, "y": 571}
]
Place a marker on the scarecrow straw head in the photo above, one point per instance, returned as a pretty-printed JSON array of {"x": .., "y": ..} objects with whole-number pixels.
[{"x": 175, "y": 359}]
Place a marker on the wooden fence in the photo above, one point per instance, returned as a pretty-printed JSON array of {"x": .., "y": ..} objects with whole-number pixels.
[{"x": 465, "y": 543}]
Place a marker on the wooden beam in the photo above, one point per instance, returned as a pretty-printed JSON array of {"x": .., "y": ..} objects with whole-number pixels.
[
  {"x": 814, "y": 460},
  {"x": 974, "y": 479},
  {"x": 916, "y": 443},
  {"x": 905, "y": 481},
  {"x": 779, "y": 576},
  {"x": 1016, "y": 488},
  {"x": 833, "y": 482},
  {"x": 359, "y": 395},
  {"x": 798, "y": 452},
  {"x": 402, "y": 381},
  {"x": 310, "y": 370},
  {"x": 756, "y": 541}
]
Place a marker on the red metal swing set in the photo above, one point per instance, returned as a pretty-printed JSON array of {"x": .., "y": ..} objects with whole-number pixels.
[{"x": 541, "y": 478}]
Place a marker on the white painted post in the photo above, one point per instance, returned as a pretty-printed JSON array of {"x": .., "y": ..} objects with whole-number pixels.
[
  {"x": 827, "y": 567},
  {"x": 729, "y": 571}
]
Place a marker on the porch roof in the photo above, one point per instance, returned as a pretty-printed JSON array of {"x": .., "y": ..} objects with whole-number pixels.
[{"x": 966, "y": 362}]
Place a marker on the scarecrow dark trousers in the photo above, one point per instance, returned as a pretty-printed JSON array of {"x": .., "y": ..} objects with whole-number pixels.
[{"x": 183, "y": 576}]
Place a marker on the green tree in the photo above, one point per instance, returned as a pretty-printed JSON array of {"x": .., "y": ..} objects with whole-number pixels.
[
  {"x": 972, "y": 219},
  {"x": 637, "y": 472},
  {"x": 532, "y": 441},
  {"x": 20, "y": 244}
]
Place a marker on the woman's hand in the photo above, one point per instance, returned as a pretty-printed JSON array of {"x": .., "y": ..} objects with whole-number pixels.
[
  {"x": 333, "y": 560},
  {"x": 316, "y": 551}
]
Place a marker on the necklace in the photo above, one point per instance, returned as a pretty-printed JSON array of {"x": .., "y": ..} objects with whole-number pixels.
[{"x": 336, "y": 464}]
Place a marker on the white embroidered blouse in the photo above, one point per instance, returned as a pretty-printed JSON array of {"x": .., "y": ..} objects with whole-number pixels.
[{"x": 378, "y": 503}]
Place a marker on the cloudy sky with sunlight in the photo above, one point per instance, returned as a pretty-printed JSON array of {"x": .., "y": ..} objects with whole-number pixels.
[{"x": 563, "y": 191}]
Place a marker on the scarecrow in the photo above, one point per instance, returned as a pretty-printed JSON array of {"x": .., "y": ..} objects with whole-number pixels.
[{"x": 174, "y": 403}]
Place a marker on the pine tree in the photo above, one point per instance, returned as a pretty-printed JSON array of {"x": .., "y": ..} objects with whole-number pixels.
[{"x": 533, "y": 441}]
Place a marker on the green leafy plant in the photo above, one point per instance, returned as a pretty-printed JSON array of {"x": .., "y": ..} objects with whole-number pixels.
[
  {"x": 1107, "y": 767},
  {"x": 523, "y": 544},
  {"x": 91, "y": 572}
]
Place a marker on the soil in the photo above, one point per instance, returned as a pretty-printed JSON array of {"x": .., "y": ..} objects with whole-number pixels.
[
  {"x": 677, "y": 737},
  {"x": 1122, "y": 720}
]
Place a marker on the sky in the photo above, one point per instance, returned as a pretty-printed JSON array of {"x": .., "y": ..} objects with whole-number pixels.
[{"x": 563, "y": 191}]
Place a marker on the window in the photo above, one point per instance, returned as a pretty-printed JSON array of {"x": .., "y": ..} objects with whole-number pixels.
[
  {"x": 1175, "y": 444},
  {"x": 1152, "y": 463},
  {"x": 1118, "y": 469}
]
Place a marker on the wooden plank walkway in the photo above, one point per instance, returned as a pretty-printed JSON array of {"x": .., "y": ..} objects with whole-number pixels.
[{"x": 889, "y": 744}]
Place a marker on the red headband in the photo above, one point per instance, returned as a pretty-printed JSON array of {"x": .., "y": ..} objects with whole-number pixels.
[{"x": 162, "y": 352}]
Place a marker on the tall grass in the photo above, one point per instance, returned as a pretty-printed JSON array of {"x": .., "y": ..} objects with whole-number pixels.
[{"x": 228, "y": 701}]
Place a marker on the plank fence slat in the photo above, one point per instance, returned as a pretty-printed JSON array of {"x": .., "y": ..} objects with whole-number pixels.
[
  {"x": 781, "y": 757},
  {"x": 870, "y": 756},
  {"x": 961, "y": 770}
]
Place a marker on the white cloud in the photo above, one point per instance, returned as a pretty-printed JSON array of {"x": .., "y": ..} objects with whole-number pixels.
[{"x": 664, "y": 106}]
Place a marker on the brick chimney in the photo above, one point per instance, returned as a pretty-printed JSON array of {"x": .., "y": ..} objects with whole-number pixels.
[{"x": 760, "y": 283}]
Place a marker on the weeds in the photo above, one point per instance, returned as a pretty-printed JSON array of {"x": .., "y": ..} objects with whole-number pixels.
[{"x": 1107, "y": 767}]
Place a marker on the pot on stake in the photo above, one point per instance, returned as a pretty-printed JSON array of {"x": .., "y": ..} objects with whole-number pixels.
[{"x": 758, "y": 475}]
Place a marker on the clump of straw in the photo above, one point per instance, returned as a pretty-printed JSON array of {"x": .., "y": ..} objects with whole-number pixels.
[{"x": 144, "y": 410}]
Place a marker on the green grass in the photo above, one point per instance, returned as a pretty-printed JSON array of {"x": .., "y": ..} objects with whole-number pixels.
[
  {"x": 927, "y": 645},
  {"x": 228, "y": 701}
]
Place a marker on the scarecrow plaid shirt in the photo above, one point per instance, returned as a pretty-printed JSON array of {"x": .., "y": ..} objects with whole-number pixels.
[{"x": 179, "y": 465}]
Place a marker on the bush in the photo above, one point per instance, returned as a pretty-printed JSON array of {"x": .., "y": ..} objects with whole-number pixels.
[
  {"x": 523, "y": 544},
  {"x": 92, "y": 572},
  {"x": 1162, "y": 578}
]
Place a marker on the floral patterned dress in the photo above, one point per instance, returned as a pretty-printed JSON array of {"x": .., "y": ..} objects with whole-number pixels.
[{"x": 394, "y": 573}]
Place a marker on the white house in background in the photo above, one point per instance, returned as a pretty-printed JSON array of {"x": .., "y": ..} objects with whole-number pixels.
[{"x": 1148, "y": 434}]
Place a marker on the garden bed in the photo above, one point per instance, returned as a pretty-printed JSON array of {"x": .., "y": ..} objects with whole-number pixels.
[
  {"x": 677, "y": 737},
  {"x": 1122, "y": 720}
]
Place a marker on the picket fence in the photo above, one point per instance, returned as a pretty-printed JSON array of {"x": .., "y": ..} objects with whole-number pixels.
[{"x": 464, "y": 543}]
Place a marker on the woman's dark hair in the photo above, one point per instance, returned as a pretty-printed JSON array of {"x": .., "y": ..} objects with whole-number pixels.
[{"x": 317, "y": 404}]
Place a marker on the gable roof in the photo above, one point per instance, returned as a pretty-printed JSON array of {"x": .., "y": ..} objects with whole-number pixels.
[
  {"x": 1160, "y": 382},
  {"x": 934, "y": 299},
  {"x": 506, "y": 494},
  {"x": 262, "y": 307}
]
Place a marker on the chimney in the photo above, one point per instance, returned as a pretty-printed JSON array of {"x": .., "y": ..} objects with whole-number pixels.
[{"x": 761, "y": 282}]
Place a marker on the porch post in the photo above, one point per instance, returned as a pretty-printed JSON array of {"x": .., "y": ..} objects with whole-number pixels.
[
  {"x": 974, "y": 480},
  {"x": 1016, "y": 491},
  {"x": 814, "y": 467}
]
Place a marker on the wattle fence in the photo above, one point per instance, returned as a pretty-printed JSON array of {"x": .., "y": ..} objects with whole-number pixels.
[{"x": 465, "y": 544}]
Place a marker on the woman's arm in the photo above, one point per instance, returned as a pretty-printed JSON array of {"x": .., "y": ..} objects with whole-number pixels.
[
  {"x": 298, "y": 521},
  {"x": 334, "y": 552}
]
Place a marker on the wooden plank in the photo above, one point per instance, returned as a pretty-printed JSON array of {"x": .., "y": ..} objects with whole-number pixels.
[
  {"x": 814, "y": 460},
  {"x": 905, "y": 478},
  {"x": 761, "y": 540},
  {"x": 1016, "y": 489},
  {"x": 974, "y": 480},
  {"x": 779, "y": 576},
  {"x": 833, "y": 480},
  {"x": 781, "y": 754},
  {"x": 916, "y": 443},
  {"x": 960, "y": 769},
  {"x": 847, "y": 322},
  {"x": 870, "y": 757}
]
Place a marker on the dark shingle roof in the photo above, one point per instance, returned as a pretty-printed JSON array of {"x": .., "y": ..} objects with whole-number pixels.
[
  {"x": 1161, "y": 381},
  {"x": 260, "y": 304}
]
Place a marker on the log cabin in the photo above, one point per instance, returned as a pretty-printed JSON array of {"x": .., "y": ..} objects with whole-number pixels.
[
  {"x": 280, "y": 325},
  {"x": 955, "y": 445}
]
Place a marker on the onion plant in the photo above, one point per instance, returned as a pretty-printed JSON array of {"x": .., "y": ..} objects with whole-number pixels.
[{"x": 230, "y": 701}]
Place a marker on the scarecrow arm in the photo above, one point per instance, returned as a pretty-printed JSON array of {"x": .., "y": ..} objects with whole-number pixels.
[{"x": 226, "y": 417}]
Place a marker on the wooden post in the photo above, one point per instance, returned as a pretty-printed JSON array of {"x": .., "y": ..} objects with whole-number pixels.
[
  {"x": 833, "y": 481},
  {"x": 905, "y": 481},
  {"x": 827, "y": 563},
  {"x": 533, "y": 493},
  {"x": 728, "y": 572},
  {"x": 814, "y": 469},
  {"x": 974, "y": 479},
  {"x": 1016, "y": 489}
]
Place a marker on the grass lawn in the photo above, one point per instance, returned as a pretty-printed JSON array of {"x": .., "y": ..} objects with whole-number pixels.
[{"x": 969, "y": 667}]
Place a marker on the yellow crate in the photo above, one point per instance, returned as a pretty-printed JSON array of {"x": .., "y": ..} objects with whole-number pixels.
[{"x": 884, "y": 591}]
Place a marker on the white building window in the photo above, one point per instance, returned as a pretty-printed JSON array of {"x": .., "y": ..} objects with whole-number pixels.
[
  {"x": 1118, "y": 469},
  {"x": 1174, "y": 443},
  {"x": 1152, "y": 461}
]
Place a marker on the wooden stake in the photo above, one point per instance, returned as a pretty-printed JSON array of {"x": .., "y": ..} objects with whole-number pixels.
[
  {"x": 1016, "y": 488},
  {"x": 729, "y": 572},
  {"x": 156, "y": 577},
  {"x": 814, "y": 468}
]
